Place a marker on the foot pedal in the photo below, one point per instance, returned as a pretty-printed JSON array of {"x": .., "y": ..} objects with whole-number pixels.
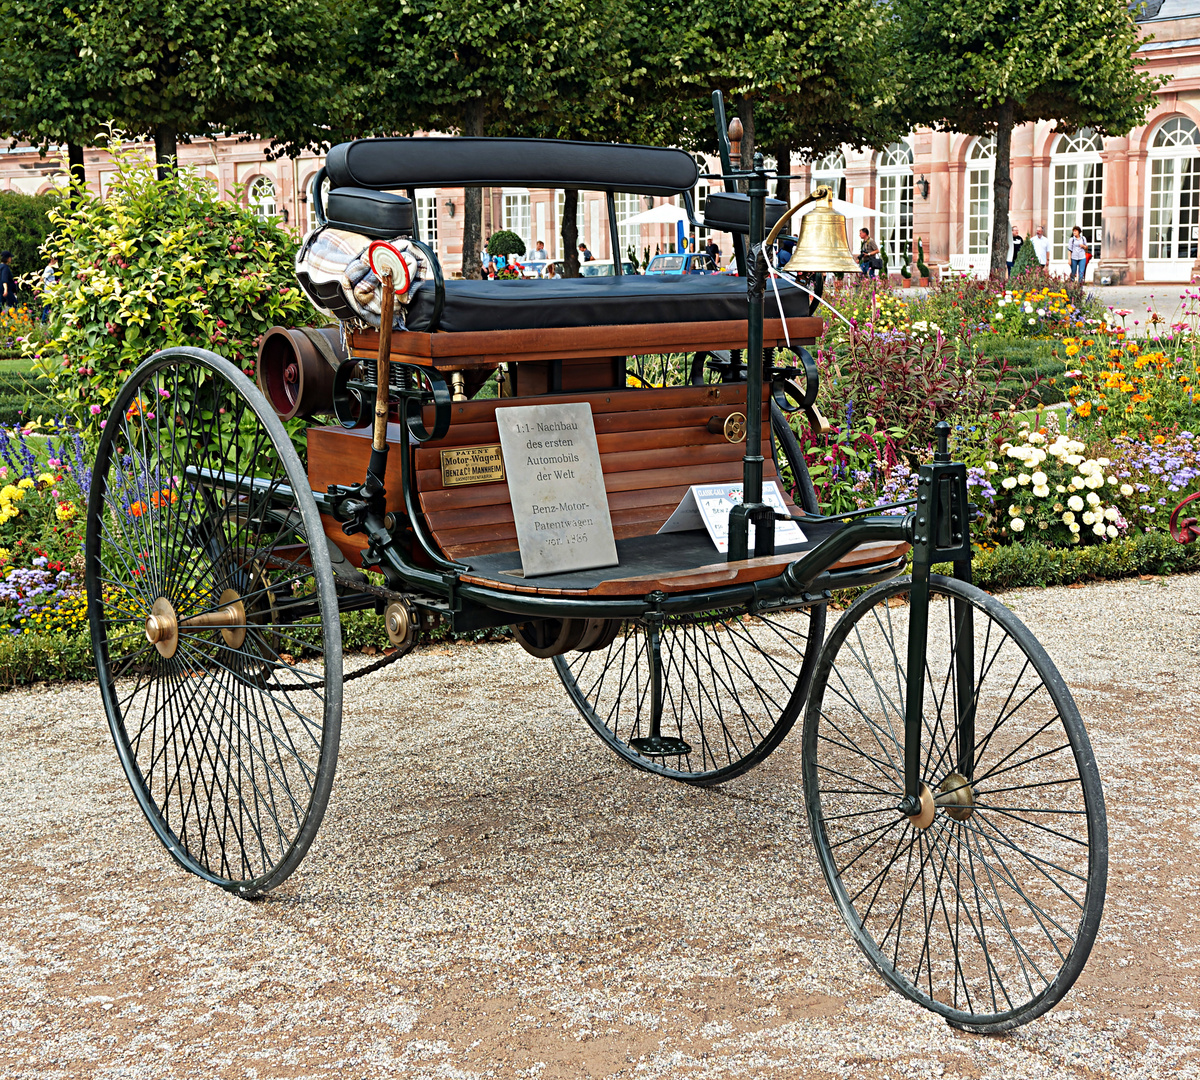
[{"x": 660, "y": 746}]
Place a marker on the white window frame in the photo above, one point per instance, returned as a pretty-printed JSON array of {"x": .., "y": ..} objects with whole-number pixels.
[
  {"x": 517, "y": 214},
  {"x": 1172, "y": 201},
  {"x": 261, "y": 201},
  {"x": 425, "y": 210},
  {"x": 831, "y": 171},
  {"x": 894, "y": 201},
  {"x": 1077, "y": 196},
  {"x": 627, "y": 205},
  {"x": 560, "y": 198},
  {"x": 977, "y": 201}
]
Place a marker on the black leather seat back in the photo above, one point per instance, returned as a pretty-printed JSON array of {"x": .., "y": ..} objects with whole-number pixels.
[
  {"x": 377, "y": 214},
  {"x": 730, "y": 211},
  {"x": 438, "y": 161}
]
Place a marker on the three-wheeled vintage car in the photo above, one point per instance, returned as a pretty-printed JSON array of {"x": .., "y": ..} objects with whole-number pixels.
[{"x": 953, "y": 797}]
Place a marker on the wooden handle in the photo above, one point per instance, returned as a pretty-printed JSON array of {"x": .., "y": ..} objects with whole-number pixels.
[{"x": 383, "y": 364}]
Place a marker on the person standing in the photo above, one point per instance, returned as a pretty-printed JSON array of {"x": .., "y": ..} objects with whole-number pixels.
[
  {"x": 8, "y": 282},
  {"x": 49, "y": 277},
  {"x": 584, "y": 254},
  {"x": 538, "y": 258},
  {"x": 1077, "y": 252},
  {"x": 714, "y": 254},
  {"x": 1041, "y": 246},
  {"x": 1014, "y": 247},
  {"x": 868, "y": 254}
]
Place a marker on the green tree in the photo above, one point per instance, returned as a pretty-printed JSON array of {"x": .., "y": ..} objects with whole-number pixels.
[
  {"x": 173, "y": 68},
  {"x": 984, "y": 66},
  {"x": 800, "y": 77},
  {"x": 475, "y": 67},
  {"x": 24, "y": 226}
]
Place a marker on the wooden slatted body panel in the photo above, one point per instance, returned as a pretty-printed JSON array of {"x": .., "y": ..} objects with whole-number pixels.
[{"x": 653, "y": 445}]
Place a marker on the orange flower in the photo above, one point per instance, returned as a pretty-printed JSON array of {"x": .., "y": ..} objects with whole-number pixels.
[
  {"x": 133, "y": 410},
  {"x": 1084, "y": 408},
  {"x": 138, "y": 508},
  {"x": 163, "y": 498}
]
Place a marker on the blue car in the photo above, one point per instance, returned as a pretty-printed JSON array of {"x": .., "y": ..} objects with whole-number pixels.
[{"x": 685, "y": 262}]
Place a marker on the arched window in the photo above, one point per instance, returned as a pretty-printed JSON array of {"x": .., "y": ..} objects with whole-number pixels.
[
  {"x": 831, "y": 171},
  {"x": 894, "y": 200},
  {"x": 309, "y": 215},
  {"x": 1078, "y": 191},
  {"x": 262, "y": 197},
  {"x": 981, "y": 162},
  {"x": 1173, "y": 216}
]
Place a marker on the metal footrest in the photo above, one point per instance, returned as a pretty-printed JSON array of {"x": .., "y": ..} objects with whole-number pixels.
[{"x": 660, "y": 746}]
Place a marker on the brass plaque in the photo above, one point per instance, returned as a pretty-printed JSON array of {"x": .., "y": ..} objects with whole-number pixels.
[{"x": 472, "y": 465}]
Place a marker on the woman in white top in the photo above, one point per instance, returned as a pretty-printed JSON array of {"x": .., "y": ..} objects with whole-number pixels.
[{"x": 1077, "y": 248}]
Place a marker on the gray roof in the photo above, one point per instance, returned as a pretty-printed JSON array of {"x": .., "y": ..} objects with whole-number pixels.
[{"x": 1159, "y": 10}]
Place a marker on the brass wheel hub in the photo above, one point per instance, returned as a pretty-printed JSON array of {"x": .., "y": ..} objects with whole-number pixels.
[
  {"x": 163, "y": 626},
  {"x": 956, "y": 797},
  {"x": 735, "y": 427}
]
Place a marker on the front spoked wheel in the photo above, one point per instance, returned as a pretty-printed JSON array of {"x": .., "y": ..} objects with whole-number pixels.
[
  {"x": 214, "y": 620},
  {"x": 984, "y": 907}
]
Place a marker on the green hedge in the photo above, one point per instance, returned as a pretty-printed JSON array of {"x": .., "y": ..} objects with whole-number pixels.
[
  {"x": 21, "y": 391},
  {"x": 1025, "y": 565},
  {"x": 30, "y": 658}
]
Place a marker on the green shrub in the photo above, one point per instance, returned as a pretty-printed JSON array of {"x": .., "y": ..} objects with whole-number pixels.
[
  {"x": 155, "y": 264},
  {"x": 31, "y": 658},
  {"x": 505, "y": 242},
  {"x": 24, "y": 226},
  {"x": 1025, "y": 259},
  {"x": 1023, "y": 565}
]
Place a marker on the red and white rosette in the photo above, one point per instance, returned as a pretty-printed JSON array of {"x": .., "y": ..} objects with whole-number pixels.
[{"x": 383, "y": 257}]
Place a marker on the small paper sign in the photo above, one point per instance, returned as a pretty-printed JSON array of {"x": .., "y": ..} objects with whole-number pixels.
[
  {"x": 707, "y": 506},
  {"x": 556, "y": 486}
]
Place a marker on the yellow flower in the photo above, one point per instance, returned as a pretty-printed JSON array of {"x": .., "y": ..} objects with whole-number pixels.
[
  {"x": 45, "y": 480},
  {"x": 25, "y": 483}
]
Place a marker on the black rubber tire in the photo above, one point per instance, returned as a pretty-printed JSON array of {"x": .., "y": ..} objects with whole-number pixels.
[
  {"x": 794, "y": 476},
  {"x": 229, "y": 744},
  {"x": 986, "y": 919}
]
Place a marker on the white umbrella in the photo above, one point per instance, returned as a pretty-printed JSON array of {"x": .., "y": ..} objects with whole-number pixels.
[{"x": 663, "y": 214}]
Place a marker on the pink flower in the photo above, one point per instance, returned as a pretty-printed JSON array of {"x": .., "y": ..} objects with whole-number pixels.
[
  {"x": 164, "y": 393},
  {"x": 95, "y": 410},
  {"x": 103, "y": 422},
  {"x": 3, "y": 471},
  {"x": 149, "y": 416}
]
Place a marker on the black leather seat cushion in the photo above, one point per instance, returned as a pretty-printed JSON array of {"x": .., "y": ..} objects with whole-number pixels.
[
  {"x": 580, "y": 302},
  {"x": 377, "y": 214}
]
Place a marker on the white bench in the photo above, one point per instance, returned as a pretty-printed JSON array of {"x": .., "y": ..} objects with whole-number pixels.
[{"x": 976, "y": 266}]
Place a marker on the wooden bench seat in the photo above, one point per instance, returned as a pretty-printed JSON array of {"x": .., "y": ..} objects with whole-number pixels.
[{"x": 653, "y": 445}]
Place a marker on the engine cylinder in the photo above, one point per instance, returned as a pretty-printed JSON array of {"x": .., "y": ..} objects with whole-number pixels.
[{"x": 296, "y": 368}]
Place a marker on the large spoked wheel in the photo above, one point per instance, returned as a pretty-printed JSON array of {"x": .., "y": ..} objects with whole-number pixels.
[
  {"x": 984, "y": 907},
  {"x": 214, "y": 620},
  {"x": 733, "y": 685}
]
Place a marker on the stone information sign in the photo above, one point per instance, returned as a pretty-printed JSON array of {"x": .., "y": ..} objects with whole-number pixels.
[{"x": 557, "y": 488}]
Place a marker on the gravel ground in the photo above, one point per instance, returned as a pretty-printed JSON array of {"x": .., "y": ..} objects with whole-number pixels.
[{"x": 493, "y": 894}]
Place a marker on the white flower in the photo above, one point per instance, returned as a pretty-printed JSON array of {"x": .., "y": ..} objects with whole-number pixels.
[
  {"x": 1023, "y": 479},
  {"x": 1088, "y": 517},
  {"x": 991, "y": 466},
  {"x": 1039, "y": 478},
  {"x": 1036, "y": 437},
  {"x": 1111, "y": 513},
  {"x": 1076, "y": 448},
  {"x": 1112, "y": 531},
  {"x": 1112, "y": 480},
  {"x": 1060, "y": 489},
  {"x": 1008, "y": 483},
  {"x": 1017, "y": 452},
  {"x": 1033, "y": 322},
  {"x": 1075, "y": 503},
  {"x": 1072, "y": 459},
  {"x": 1093, "y": 499},
  {"x": 1126, "y": 490},
  {"x": 1018, "y": 525},
  {"x": 1037, "y": 456},
  {"x": 1103, "y": 462},
  {"x": 1074, "y": 530},
  {"x": 1098, "y": 528},
  {"x": 999, "y": 317},
  {"x": 1014, "y": 510},
  {"x": 1041, "y": 491},
  {"x": 1087, "y": 468},
  {"x": 1068, "y": 518},
  {"x": 1096, "y": 480}
]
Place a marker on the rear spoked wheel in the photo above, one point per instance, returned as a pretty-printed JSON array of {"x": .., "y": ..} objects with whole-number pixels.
[
  {"x": 214, "y": 620},
  {"x": 984, "y": 907},
  {"x": 732, "y": 685}
]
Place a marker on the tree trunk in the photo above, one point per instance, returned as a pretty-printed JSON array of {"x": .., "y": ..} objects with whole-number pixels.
[
  {"x": 570, "y": 232},
  {"x": 166, "y": 147},
  {"x": 745, "y": 110},
  {"x": 75, "y": 171},
  {"x": 1002, "y": 189},
  {"x": 783, "y": 185},
  {"x": 472, "y": 205}
]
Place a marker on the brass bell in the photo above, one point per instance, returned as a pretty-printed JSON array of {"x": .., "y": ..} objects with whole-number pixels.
[{"x": 822, "y": 244}]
